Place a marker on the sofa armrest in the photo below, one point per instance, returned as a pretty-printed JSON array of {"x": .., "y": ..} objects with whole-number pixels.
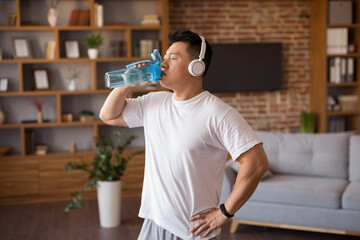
[{"x": 228, "y": 182}]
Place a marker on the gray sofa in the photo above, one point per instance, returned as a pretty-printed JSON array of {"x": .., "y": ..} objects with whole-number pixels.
[{"x": 314, "y": 185}]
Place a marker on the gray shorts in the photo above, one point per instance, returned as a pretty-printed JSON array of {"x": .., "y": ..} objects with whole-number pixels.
[{"x": 151, "y": 231}]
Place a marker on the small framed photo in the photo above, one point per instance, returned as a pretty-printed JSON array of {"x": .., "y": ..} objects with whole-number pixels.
[
  {"x": 21, "y": 47},
  {"x": 41, "y": 79},
  {"x": 4, "y": 84},
  {"x": 72, "y": 49}
]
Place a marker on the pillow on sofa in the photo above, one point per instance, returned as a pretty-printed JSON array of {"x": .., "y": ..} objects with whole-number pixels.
[{"x": 235, "y": 165}]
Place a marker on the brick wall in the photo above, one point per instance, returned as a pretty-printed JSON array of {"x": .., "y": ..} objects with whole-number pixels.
[{"x": 258, "y": 21}]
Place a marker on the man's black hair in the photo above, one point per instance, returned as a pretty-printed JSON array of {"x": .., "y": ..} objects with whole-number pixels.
[{"x": 194, "y": 45}]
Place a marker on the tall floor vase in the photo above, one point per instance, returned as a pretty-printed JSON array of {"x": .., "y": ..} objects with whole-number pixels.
[{"x": 109, "y": 202}]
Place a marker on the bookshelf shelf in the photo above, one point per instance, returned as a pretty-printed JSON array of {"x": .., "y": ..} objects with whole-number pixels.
[
  {"x": 58, "y": 100},
  {"x": 339, "y": 113}
]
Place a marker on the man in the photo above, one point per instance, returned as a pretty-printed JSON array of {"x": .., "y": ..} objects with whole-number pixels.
[{"x": 188, "y": 134}]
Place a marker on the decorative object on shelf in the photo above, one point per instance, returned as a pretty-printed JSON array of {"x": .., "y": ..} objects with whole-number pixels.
[
  {"x": 21, "y": 47},
  {"x": 348, "y": 103},
  {"x": 66, "y": 117},
  {"x": 308, "y": 122},
  {"x": 4, "y": 150},
  {"x": 2, "y": 116},
  {"x": 99, "y": 15},
  {"x": 50, "y": 49},
  {"x": 41, "y": 79},
  {"x": 4, "y": 84},
  {"x": 41, "y": 149},
  {"x": 12, "y": 19},
  {"x": 73, "y": 147},
  {"x": 104, "y": 173},
  {"x": 52, "y": 14},
  {"x": 86, "y": 116},
  {"x": 151, "y": 20},
  {"x": 72, "y": 49},
  {"x": 39, "y": 105},
  {"x": 93, "y": 41},
  {"x": 73, "y": 76}
]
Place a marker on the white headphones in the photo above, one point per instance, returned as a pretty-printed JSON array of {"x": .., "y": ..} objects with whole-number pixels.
[{"x": 197, "y": 66}]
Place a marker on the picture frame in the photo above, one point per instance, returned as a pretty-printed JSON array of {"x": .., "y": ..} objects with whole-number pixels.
[
  {"x": 21, "y": 47},
  {"x": 41, "y": 79},
  {"x": 4, "y": 84},
  {"x": 72, "y": 49}
]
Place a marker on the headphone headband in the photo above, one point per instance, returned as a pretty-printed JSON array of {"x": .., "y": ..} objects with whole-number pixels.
[{"x": 203, "y": 48}]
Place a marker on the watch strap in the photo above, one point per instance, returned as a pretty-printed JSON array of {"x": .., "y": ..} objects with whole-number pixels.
[{"x": 223, "y": 210}]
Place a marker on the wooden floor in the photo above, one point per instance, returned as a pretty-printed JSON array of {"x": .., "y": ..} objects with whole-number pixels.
[{"x": 49, "y": 221}]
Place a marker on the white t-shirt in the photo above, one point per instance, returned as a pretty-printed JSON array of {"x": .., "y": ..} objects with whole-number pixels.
[{"x": 186, "y": 146}]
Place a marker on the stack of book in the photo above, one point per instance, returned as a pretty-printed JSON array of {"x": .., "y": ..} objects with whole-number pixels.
[
  {"x": 337, "y": 41},
  {"x": 341, "y": 69},
  {"x": 143, "y": 48},
  {"x": 151, "y": 19},
  {"x": 99, "y": 15},
  {"x": 117, "y": 48}
]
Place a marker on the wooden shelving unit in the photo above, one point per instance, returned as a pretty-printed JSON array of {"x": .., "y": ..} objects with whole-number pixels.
[
  {"x": 319, "y": 70},
  {"x": 24, "y": 177}
]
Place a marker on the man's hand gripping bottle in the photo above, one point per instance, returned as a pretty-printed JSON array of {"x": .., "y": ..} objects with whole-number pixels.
[{"x": 123, "y": 77}]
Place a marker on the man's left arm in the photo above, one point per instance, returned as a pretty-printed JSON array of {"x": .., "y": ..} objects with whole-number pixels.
[{"x": 254, "y": 163}]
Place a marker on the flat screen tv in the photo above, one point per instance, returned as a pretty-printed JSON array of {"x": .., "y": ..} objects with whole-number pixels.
[{"x": 239, "y": 67}]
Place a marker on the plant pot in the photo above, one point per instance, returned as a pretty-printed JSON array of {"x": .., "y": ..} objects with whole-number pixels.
[
  {"x": 72, "y": 85},
  {"x": 39, "y": 117},
  {"x": 109, "y": 202},
  {"x": 93, "y": 53}
]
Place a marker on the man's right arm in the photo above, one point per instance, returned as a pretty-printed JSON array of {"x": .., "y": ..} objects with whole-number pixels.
[{"x": 111, "y": 111}]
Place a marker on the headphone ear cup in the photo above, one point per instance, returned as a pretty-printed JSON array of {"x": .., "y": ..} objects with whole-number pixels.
[{"x": 196, "y": 67}]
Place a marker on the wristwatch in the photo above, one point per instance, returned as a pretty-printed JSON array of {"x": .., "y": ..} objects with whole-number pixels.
[{"x": 223, "y": 210}]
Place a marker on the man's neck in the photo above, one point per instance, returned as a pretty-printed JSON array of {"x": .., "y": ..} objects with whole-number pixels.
[{"x": 187, "y": 94}]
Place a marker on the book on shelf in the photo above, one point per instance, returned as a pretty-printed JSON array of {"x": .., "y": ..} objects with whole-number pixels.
[
  {"x": 337, "y": 40},
  {"x": 341, "y": 69},
  {"x": 336, "y": 124},
  {"x": 79, "y": 17},
  {"x": 144, "y": 47},
  {"x": 117, "y": 48},
  {"x": 50, "y": 49},
  {"x": 99, "y": 15}
]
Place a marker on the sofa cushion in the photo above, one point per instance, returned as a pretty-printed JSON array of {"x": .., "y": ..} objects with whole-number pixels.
[
  {"x": 351, "y": 197},
  {"x": 300, "y": 190},
  {"x": 354, "y": 158},
  {"x": 318, "y": 155}
]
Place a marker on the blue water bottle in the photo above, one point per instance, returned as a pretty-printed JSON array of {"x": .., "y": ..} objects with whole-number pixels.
[{"x": 123, "y": 77}]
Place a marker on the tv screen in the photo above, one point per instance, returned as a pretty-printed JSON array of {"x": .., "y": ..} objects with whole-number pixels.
[{"x": 239, "y": 67}]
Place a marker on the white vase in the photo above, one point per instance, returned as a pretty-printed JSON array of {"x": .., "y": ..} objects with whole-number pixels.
[
  {"x": 93, "y": 53},
  {"x": 72, "y": 85},
  {"x": 109, "y": 202},
  {"x": 2, "y": 117},
  {"x": 52, "y": 17}
]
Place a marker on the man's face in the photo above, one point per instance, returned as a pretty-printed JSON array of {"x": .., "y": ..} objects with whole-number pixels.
[{"x": 175, "y": 66}]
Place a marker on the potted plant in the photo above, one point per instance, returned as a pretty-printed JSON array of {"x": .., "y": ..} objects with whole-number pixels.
[
  {"x": 73, "y": 76},
  {"x": 105, "y": 174},
  {"x": 93, "y": 41},
  {"x": 86, "y": 116}
]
